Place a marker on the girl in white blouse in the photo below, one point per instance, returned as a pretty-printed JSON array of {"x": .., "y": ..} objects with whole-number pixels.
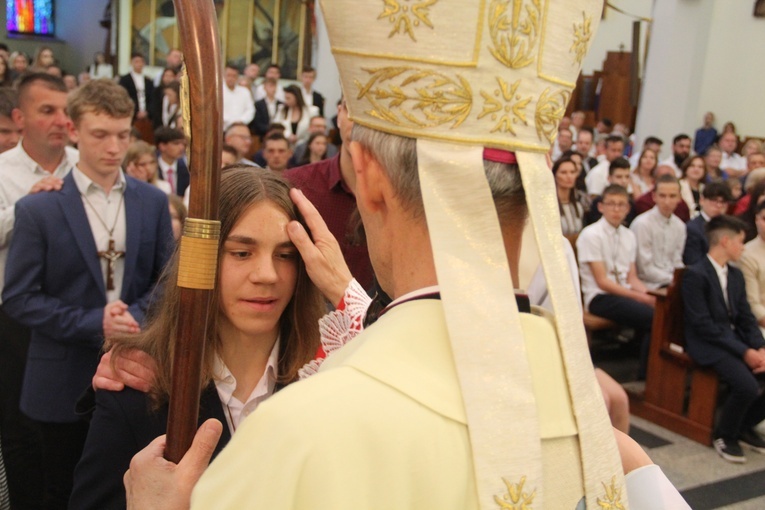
[{"x": 295, "y": 115}]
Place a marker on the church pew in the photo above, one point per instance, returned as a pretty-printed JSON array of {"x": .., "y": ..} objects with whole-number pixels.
[{"x": 679, "y": 394}]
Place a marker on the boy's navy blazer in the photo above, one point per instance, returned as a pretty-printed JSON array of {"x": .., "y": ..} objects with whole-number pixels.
[{"x": 55, "y": 286}]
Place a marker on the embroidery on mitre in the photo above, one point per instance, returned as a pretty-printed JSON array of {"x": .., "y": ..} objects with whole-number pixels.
[
  {"x": 398, "y": 12},
  {"x": 515, "y": 498},
  {"x": 507, "y": 102},
  {"x": 582, "y": 35},
  {"x": 515, "y": 39},
  {"x": 550, "y": 110},
  {"x": 612, "y": 499},
  {"x": 407, "y": 96}
]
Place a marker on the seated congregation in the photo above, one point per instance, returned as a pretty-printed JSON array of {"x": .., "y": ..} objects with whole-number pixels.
[{"x": 663, "y": 261}]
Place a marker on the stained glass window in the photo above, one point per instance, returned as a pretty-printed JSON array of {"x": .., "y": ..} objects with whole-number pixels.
[{"x": 29, "y": 16}]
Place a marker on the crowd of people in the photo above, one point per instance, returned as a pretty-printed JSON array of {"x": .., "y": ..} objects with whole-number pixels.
[
  {"x": 636, "y": 216},
  {"x": 87, "y": 235}
]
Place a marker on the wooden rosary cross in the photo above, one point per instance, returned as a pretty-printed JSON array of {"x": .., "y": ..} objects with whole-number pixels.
[{"x": 111, "y": 255}]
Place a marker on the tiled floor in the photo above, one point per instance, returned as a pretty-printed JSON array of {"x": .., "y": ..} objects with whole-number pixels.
[{"x": 707, "y": 481}]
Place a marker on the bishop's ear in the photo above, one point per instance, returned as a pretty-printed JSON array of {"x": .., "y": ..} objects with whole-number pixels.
[{"x": 371, "y": 180}]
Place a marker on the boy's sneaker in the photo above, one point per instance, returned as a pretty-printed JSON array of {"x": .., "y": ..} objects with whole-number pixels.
[
  {"x": 753, "y": 440},
  {"x": 729, "y": 450}
]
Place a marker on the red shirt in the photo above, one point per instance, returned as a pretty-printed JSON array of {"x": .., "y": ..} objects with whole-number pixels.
[{"x": 322, "y": 183}]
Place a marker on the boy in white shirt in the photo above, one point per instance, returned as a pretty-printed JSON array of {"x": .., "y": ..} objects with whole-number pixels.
[
  {"x": 607, "y": 252},
  {"x": 660, "y": 235}
]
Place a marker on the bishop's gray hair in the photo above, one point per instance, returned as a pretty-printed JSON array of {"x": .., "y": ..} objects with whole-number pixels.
[{"x": 398, "y": 156}]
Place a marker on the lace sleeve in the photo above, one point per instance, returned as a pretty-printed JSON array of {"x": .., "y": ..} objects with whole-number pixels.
[{"x": 340, "y": 326}]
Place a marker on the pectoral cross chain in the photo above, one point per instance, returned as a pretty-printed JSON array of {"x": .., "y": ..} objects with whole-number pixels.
[{"x": 111, "y": 255}]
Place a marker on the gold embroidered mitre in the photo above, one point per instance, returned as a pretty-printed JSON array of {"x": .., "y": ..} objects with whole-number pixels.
[
  {"x": 497, "y": 73},
  {"x": 461, "y": 75}
]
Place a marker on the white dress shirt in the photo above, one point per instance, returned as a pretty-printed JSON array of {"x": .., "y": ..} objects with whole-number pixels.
[
  {"x": 169, "y": 112},
  {"x": 238, "y": 106},
  {"x": 234, "y": 409},
  {"x": 615, "y": 247},
  {"x": 307, "y": 96},
  {"x": 597, "y": 178},
  {"x": 169, "y": 173},
  {"x": 271, "y": 105},
  {"x": 722, "y": 275},
  {"x": 101, "y": 71},
  {"x": 634, "y": 159},
  {"x": 18, "y": 173},
  {"x": 733, "y": 160},
  {"x": 140, "y": 87},
  {"x": 106, "y": 212},
  {"x": 660, "y": 243}
]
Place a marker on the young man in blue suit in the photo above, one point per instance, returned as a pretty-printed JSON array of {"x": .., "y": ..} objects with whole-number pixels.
[
  {"x": 714, "y": 202},
  {"x": 722, "y": 333},
  {"x": 171, "y": 147},
  {"x": 81, "y": 267}
]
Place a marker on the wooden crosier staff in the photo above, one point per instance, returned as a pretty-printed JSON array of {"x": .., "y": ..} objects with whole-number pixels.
[{"x": 198, "y": 27}]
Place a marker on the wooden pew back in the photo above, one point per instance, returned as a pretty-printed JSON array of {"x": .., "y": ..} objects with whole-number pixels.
[{"x": 679, "y": 395}]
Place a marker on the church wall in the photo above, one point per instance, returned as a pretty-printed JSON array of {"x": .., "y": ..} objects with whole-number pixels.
[
  {"x": 616, "y": 29},
  {"x": 703, "y": 56},
  {"x": 733, "y": 74},
  {"x": 674, "y": 71},
  {"x": 78, "y": 34}
]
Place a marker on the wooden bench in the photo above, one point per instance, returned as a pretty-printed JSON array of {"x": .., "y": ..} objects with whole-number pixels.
[{"x": 679, "y": 394}]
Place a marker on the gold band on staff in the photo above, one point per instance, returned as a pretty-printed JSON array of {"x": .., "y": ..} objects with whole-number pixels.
[{"x": 198, "y": 263}]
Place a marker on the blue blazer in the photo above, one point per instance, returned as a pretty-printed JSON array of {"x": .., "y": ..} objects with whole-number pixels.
[
  {"x": 122, "y": 425},
  {"x": 708, "y": 333},
  {"x": 696, "y": 244},
  {"x": 55, "y": 286}
]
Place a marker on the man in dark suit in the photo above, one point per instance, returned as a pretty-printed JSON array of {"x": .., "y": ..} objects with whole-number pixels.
[
  {"x": 265, "y": 109},
  {"x": 81, "y": 267},
  {"x": 141, "y": 91},
  {"x": 171, "y": 149},
  {"x": 722, "y": 333},
  {"x": 310, "y": 96},
  {"x": 714, "y": 202}
]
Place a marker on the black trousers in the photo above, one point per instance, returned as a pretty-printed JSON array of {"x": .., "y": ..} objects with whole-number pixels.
[
  {"x": 22, "y": 453},
  {"x": 630, "y": 313},
  {"x": 62, "y": 445},
  {"x": 745, "y": 406}
]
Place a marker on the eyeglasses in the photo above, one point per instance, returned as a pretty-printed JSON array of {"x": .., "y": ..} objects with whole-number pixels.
[
  {"x": 616, "y": 205},
  {"x": 719, "y": 202}
]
